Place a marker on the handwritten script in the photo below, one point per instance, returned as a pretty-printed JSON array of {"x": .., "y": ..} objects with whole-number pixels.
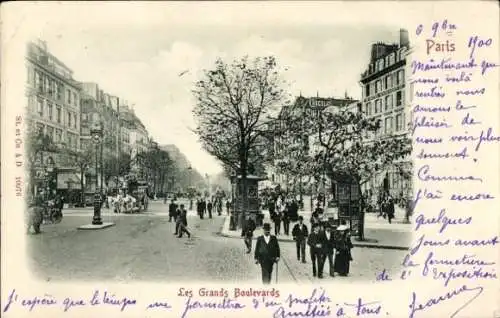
[{"x": 449, "y": 96}]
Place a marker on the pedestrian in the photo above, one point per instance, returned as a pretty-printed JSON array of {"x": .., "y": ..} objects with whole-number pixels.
[
  {"x": 178, "y": 221},
  {"x": 209, "y": 209},
  {"x": 316, "y": 250},
  {"x": 286, "y": 218},
  {"x": 314, "y": 219},
  {"x": 294, "y": 210},
  {"x": 343, "y": 246},
  {"x": 228, "y": 206},
  {"x": 271, "y": 208},
  {"x": 277, "y": 223},
  {"x": 330, "y": 248},
  {"x": 35, "y": 213},
  {"x": 203, "y": 207},
  {"x": 318, "y": 210},
  {"x": 300, "y": 234},
  {"x": 183, "y": 222},
  {"x": 248, "y": 233},
  {"x": 390, "y": 209},
  {"x": 267, "y": 252},
  {"x": 219, "y": 207},
  {"x": 172, "y": 209},
  {"x": 199, "y": 209}
]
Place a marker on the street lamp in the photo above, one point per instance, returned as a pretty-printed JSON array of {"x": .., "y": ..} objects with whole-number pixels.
[{"x": 96, "y": 133}]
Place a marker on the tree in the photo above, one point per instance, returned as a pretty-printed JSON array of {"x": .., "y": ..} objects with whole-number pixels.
[
  {"x": 346, "y": 149},
  {"x": 82, "y": 159},
  {"x": 234, "y": 103},
  {"x": 157, "y": 164},
  {"x": 37, "y": 143}
]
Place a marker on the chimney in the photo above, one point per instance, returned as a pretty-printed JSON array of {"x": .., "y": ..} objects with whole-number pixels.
[
  {"x": 403, "y": 38},
  {"x": 42, "y": 44}
]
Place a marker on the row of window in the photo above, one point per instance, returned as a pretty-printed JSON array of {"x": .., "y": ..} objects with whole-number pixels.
[
  {"x": 391, "y": 80},
  {"x": 388, "y": 60},
  {"x": 45, "y": 84},
  {"x": 46, "y": 109},
  {"x": 390, "y": 124},
  {"x": 57, "y": 135},
  {"x": 384, "y": 104}
]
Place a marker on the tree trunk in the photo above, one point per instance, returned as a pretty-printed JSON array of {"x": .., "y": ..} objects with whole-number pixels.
[{"x": 361, "y": 223}]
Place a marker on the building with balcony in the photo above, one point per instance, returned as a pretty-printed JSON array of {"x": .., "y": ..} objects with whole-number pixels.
[
  {"x": 53, "y": 110},
  {"x": 100, "y": 107},
  {"x": 384, "y": 87},
  {"x": 53, "y": 97},
  {"x": 134, "y": 135}
]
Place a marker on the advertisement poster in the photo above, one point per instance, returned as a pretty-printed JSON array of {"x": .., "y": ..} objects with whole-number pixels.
[{"x": 401, "y": 96}]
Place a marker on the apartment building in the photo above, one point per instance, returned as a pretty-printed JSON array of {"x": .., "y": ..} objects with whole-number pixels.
[
  {"x": 53, "y": 97},
  {"x": 384, "y": 87}
]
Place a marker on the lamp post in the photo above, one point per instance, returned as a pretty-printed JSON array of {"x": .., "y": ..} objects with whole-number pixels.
[{"x": 96, "y": 133}]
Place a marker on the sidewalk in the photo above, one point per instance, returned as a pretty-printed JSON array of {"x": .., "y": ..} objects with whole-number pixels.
[{"x": 378, "y": 232}]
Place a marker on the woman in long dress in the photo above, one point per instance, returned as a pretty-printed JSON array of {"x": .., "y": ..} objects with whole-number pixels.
[{"x": 343, "y": 246}]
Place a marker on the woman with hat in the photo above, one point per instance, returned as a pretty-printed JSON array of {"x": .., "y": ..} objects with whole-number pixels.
[{"x": 343, "y": 246}]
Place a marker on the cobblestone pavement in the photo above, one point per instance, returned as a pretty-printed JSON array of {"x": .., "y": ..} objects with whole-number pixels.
[
  {"x": 140, "y": 247},
  {"x": 143, "y": 247}
]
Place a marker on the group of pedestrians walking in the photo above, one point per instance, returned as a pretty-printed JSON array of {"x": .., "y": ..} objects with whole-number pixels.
[
  {"x": 283, "y": 211},
  {"x": 325, "y": 241},
  {"x": 386, "y": 207},
  {"x": 210, "y": 206},
  {"x": 178, "y": 214}
]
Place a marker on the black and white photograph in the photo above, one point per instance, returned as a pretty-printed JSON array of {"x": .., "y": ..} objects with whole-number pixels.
[{"x": 181, "y": 151}]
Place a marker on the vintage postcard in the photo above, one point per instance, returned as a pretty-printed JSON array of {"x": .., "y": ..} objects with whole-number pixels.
[{"x": 243, "y": 159}]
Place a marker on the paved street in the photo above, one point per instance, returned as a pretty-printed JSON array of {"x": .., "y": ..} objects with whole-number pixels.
[{"x": 143, "y": 247}]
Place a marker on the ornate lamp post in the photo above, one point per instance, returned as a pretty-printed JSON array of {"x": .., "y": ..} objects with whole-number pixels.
[{"x": 96, "y": 133}]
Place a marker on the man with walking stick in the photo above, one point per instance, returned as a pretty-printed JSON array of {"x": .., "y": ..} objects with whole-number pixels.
[{"x": 267, "y": 252}]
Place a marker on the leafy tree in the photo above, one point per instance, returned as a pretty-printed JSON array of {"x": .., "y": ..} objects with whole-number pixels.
[
  {"x": 37, "y": 143},
  {"x": 157, "y": 165},
  {"x": 347, "y": 148},
  {"x": 234, "y": 103},
  {"x": 82, "y": 159}
]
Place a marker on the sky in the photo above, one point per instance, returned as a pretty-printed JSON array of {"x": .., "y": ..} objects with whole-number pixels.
[{"x": 140, "y": 60}]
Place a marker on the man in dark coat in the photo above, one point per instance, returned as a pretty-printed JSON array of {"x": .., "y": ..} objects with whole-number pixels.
[
  {"x": 172, "y": 210},
  {"x": 286, "y": 218},
  {"x": 316, "y": 242},
  {"x": 219, "y": 206},
  {"x": 203, "y": 207},
  {"x": 277, "y": 223},
  {"x": 199, "y": 208},
  {"x": 300, "y": 234},
  {"x": 183, "y": 222},
  {"x": 248, "y": 233},
  {"x": 267, "y": 252},
  {"x": 390, "y": 209},
  {"x": 330, "y": 247},
  {"x": 272, "y": 207},
  {"x": 209, "y": 208}
]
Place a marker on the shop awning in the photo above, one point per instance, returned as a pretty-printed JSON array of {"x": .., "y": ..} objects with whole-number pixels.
[{"x": 69, "y": 180}]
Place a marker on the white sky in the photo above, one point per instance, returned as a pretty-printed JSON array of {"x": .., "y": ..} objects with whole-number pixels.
[{"x": 137, "y": 53}]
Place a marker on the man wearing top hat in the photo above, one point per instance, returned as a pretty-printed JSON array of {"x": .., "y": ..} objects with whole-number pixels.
[
  {"x": 267, "y": 252},
  {"x": 316, "y": 242},
  {"x": 329, "y": 247},
  {"x": 300, "y": 234}
]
